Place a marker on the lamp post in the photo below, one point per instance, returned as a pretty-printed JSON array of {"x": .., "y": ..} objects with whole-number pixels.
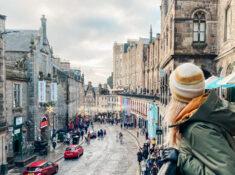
[{"x": 50, "y": 110}]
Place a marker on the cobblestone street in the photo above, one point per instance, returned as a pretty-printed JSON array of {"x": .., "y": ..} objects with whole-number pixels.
[{"x": 105, "y": 156}]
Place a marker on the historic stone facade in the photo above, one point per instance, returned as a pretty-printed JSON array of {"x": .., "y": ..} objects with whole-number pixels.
[
  {"x": 225, "y": 62},
  {"x": 29, "y": 62},
  {"x": 3, "y": 123},
  {"x": 105, "y": 100},
  {"x": 129, "y": 65},
  {"x": 90, "y": 99},
  {"x": 188, "y": 34}
]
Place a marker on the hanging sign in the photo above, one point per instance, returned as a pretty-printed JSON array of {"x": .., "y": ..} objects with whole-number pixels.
[
  {"x": 17, "y": 131},
  {"x": 42, "y": 91},
  {"x": 43, "y": 124},
  {"x": 54, "y": 92},
  {"x": 152, "y": 120},
  {"x": 18, "y": 121}
]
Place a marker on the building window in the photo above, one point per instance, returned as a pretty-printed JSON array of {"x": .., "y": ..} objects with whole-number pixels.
[
  {"x": 17, "y": 96},
  {"x": 228, "y": 23},
  {"x": 199, "y": 27}
]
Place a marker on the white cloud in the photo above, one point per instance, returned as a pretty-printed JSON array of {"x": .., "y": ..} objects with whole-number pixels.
[{"x": 83, "y": 31}]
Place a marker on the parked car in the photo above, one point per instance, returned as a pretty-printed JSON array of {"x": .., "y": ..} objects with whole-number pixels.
[
  {"x": 93, "y": 134},
  {"x": 73, "y": 151},
  {"x": 41, "y": 167}
]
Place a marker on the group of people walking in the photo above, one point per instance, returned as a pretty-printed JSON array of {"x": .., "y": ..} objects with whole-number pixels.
[
  {"x": 101, "y": 133},
  {"x": 149, "y": 158}
]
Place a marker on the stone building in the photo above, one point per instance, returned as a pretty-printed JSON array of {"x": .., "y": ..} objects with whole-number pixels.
[
  {"x": 3, "y": 123},
  {"x": 42, "y": 92},
  {"x": 17, "y": 47},
  {"x": 105, "y": 100},
  {"x": 188, "y": 34},
  {"x": 151, "y": 63},
  {"x": 128, "y": 61},
  {"x": 118, "y": 50},
  {"x": 89, "y": 99},
  {"x": 225, "y": 62}
]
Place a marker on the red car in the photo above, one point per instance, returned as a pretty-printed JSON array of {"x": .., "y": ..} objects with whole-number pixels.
[
  {"x": 41, "y": 167},
  {"x": 73, "y": 151}
]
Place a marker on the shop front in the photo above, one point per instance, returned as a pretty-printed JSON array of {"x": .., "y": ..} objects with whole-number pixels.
[{"x": 18, "y": 136}]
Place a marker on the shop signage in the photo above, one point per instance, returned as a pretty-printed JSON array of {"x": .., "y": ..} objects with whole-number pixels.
[
  {"x": 159, "y": 131},
  {"x": 43, "y": 124},
  {"x": 152, "y": 117},
  {"x": 10, "y": 129},
  {"x": 18, "y": 121},
  {"x": 42, "y": 91},
  {"x": 54, "y": 92},
  {"x": 17, "y": 131}
]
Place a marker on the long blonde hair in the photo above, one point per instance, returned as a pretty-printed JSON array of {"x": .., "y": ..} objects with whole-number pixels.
[{"x": 172, "y": 111}]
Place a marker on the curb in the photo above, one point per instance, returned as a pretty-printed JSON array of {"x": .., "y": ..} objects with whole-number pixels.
[
  {"x": 138, "y": 143},
  {"x": 62, "y": 156},
  {"x": 137, "y": 140}
]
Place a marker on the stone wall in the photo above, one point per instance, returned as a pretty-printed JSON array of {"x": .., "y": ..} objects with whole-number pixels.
[
  {"x": 226, "y": 44},
  {"x": 177, "y": 29}
]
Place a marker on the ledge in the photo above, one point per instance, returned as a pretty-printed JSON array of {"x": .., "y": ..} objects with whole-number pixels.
[
  {"x": 150, "y": 97},
  {"x": 199, "y": 45},
  {"x": 19, "y": 109}
]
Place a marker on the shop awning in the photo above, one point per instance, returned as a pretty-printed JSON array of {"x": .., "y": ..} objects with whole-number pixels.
[
  {"x": 213, "y": 82},
  {"x": 228, "y": 82}
]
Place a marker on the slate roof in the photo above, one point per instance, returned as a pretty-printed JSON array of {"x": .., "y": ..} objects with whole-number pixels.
[{"x": 19, "y": 40}]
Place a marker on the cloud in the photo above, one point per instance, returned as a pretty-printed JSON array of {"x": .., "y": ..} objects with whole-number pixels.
[{"x": 83, "y": 31}]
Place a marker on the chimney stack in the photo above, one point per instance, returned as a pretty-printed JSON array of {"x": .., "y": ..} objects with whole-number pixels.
[
  {"x": 2, "y": 23},
  {"x": 44, "y": 29}
]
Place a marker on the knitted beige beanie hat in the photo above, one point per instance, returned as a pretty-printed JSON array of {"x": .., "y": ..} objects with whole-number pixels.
[{"x": 187, "y": 81}]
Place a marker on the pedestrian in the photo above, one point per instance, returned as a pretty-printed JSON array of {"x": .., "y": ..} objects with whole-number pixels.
[
  {"x": 145, "y": 152},
  {"x": 139, "y": 156},
  {"x": 154, "y": 169},
  {"x": 146, "y": 135},
  {"x": 153, "y": 142},
  {"x": 82, "y": 133},
  {"x": 101, "y": 133},
  {"x": 54, "y": 142},
  {"x": 202, "y": 127}
]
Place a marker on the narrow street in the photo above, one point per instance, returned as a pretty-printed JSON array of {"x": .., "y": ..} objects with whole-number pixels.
[{"x": 105, "y": 156}]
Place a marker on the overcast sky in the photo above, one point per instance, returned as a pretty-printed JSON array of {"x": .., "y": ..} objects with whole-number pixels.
[{"x": 83, "y": 31}]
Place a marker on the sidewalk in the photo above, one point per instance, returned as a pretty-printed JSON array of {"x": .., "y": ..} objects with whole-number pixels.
[{"x": 140, "y": 140}]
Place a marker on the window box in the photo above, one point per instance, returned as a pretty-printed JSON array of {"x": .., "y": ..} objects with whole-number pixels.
[
  {"x": 199, "y": 45},
  {"x": 19, "y": 109}
]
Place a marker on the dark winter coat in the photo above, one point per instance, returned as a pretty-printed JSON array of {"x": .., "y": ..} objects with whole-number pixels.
[{"x": 207, "y": 146}]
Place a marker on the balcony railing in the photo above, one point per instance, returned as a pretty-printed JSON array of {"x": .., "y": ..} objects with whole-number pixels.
[{"x": 145, "y": 96}]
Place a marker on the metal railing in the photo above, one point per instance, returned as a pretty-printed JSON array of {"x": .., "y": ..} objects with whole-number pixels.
[{"x": 145, "y": 96}]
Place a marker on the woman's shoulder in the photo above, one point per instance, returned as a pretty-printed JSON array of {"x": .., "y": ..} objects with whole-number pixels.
[{"x": 198, "y": 128}]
